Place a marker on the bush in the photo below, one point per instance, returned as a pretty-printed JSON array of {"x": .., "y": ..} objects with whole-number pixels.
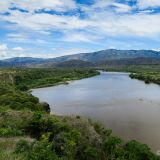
[
  {"x": 90, "y": 153},
  {"x": 140, "y": 151},
  {"x": 8, "y": 132},
  {"x": 39, "y": 150},
  {"x": 110, "y": 144},
  {"x": 40, "y": 125},
  {"x": 22, "y": 87},
  {"x": 45, "y": 107},
  {"x": 23, "y": 147}
]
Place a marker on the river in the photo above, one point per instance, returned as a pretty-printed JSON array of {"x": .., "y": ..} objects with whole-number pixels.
[{"x": 129, "y": 107}]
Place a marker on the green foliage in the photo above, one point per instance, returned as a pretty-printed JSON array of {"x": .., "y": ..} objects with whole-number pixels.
[
  {"x": 45, "y": 107},
  {"x": 148, "y": 77},
  {"x": 53, "y": 137},
  {"x": 147, "y": 73},
  {"x": 18, "y": 100},
  {"x": 12, "y": 123},
  {"x": 134, "y": 68},
  {"x": 90, "y": 153},
  {"x": 10, "y": 132},
  {"x": 7, "y": 150},
  {"x": 4, "y": 89},
  {"x": 25, "y": 79},
  {"x": 114, "y": 149},
  {"x": 23, "y": 146},
  {"x": 140, "y": 151},
  {"x": 39, "y": 125},
  {"x": 110, "y": 144},
  {"x": 39, "y": 150},
  {"x": 22, "y": 87}
]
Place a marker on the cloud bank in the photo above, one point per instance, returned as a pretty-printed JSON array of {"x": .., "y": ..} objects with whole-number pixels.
[{"x": 62, "y": 22}]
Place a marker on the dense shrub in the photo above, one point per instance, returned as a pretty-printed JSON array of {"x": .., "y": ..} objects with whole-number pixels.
[
  {"x": 40, "y": 124},
  {"x": 18, "y": 100},
  {"x": 10, "y": 132},
  {"x": 45, "y": 107},
  {"x": 39, "y": 150},
  {"x": 147, "y": 77}
]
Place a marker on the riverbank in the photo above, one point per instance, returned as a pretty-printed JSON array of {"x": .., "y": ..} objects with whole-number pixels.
[
  {"x": 25, "y": 79},
  {"x": 147, "y": 77},
  {"x": 29, "y": 132},
  {"x": 146, "y": 73}
]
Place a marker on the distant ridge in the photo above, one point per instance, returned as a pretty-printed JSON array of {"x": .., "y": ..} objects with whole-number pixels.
[
  {"x": 110, "y": 54},
  {"x": 109, "y": 57},
  {"x": 21, "y": 62}
]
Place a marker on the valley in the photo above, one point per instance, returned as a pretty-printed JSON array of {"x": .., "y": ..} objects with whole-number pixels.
[{"x": 27, "y": 127}]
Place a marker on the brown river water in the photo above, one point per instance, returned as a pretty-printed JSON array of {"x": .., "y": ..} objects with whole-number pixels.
[{"x": 129, "y": 107}]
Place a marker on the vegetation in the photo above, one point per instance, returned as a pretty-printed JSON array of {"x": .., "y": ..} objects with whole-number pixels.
[
  {"x": 147, "y": 73},
  {"x": 148, "y": 77},
  {"x": 29, "y": 132},
  {"x": 134, "y": 68},
  {"x": 25, "y": 79}
]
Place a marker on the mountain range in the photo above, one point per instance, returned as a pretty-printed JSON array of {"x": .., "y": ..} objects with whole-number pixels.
[{"x": 99, "y": 58}]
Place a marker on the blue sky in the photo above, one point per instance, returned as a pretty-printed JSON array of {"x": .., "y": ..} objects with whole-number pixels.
[{"x": 51, "y": 28}]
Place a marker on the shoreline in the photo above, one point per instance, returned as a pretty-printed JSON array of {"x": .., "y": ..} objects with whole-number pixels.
[{"x": 62, "y": 82}]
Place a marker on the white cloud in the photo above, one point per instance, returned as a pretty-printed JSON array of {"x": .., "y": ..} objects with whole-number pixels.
[
  {"x": 25, "y": 38},
  {"x": 33, "y": 55},
  {"x": 3, "y": 47},
  {"x": 122, "y": 7},
  {"x": 34, "y": 5},
  {"x": 17, "y": 36},
  {"x": 57, "y": 5},
  {"x": 40, "y": 41},
  {"x": 62, "y": 52},
  {"x": 79, "y": 37},
  {"x": 19, "y": 49},
  {"x": 100, "y": 5},
  {"x": 95, "y": 26},
  {"x": 103, "y": 19},
  {"x": 45, "y": 21},
  {"x": 6, "y": 52},
  {"x": 45, "y": 33},
  {"x": 148, "y": 3},
  {"x": 5, "y": 5},
  {"x": 112, "y": 24},
  {"x": 3, "y": 50},
  {"x": 156, "y": 49},
  {"x": 126, "y": 24}
]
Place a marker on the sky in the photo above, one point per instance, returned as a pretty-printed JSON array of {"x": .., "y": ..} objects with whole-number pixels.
[{"x": 52, "y": 28}]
